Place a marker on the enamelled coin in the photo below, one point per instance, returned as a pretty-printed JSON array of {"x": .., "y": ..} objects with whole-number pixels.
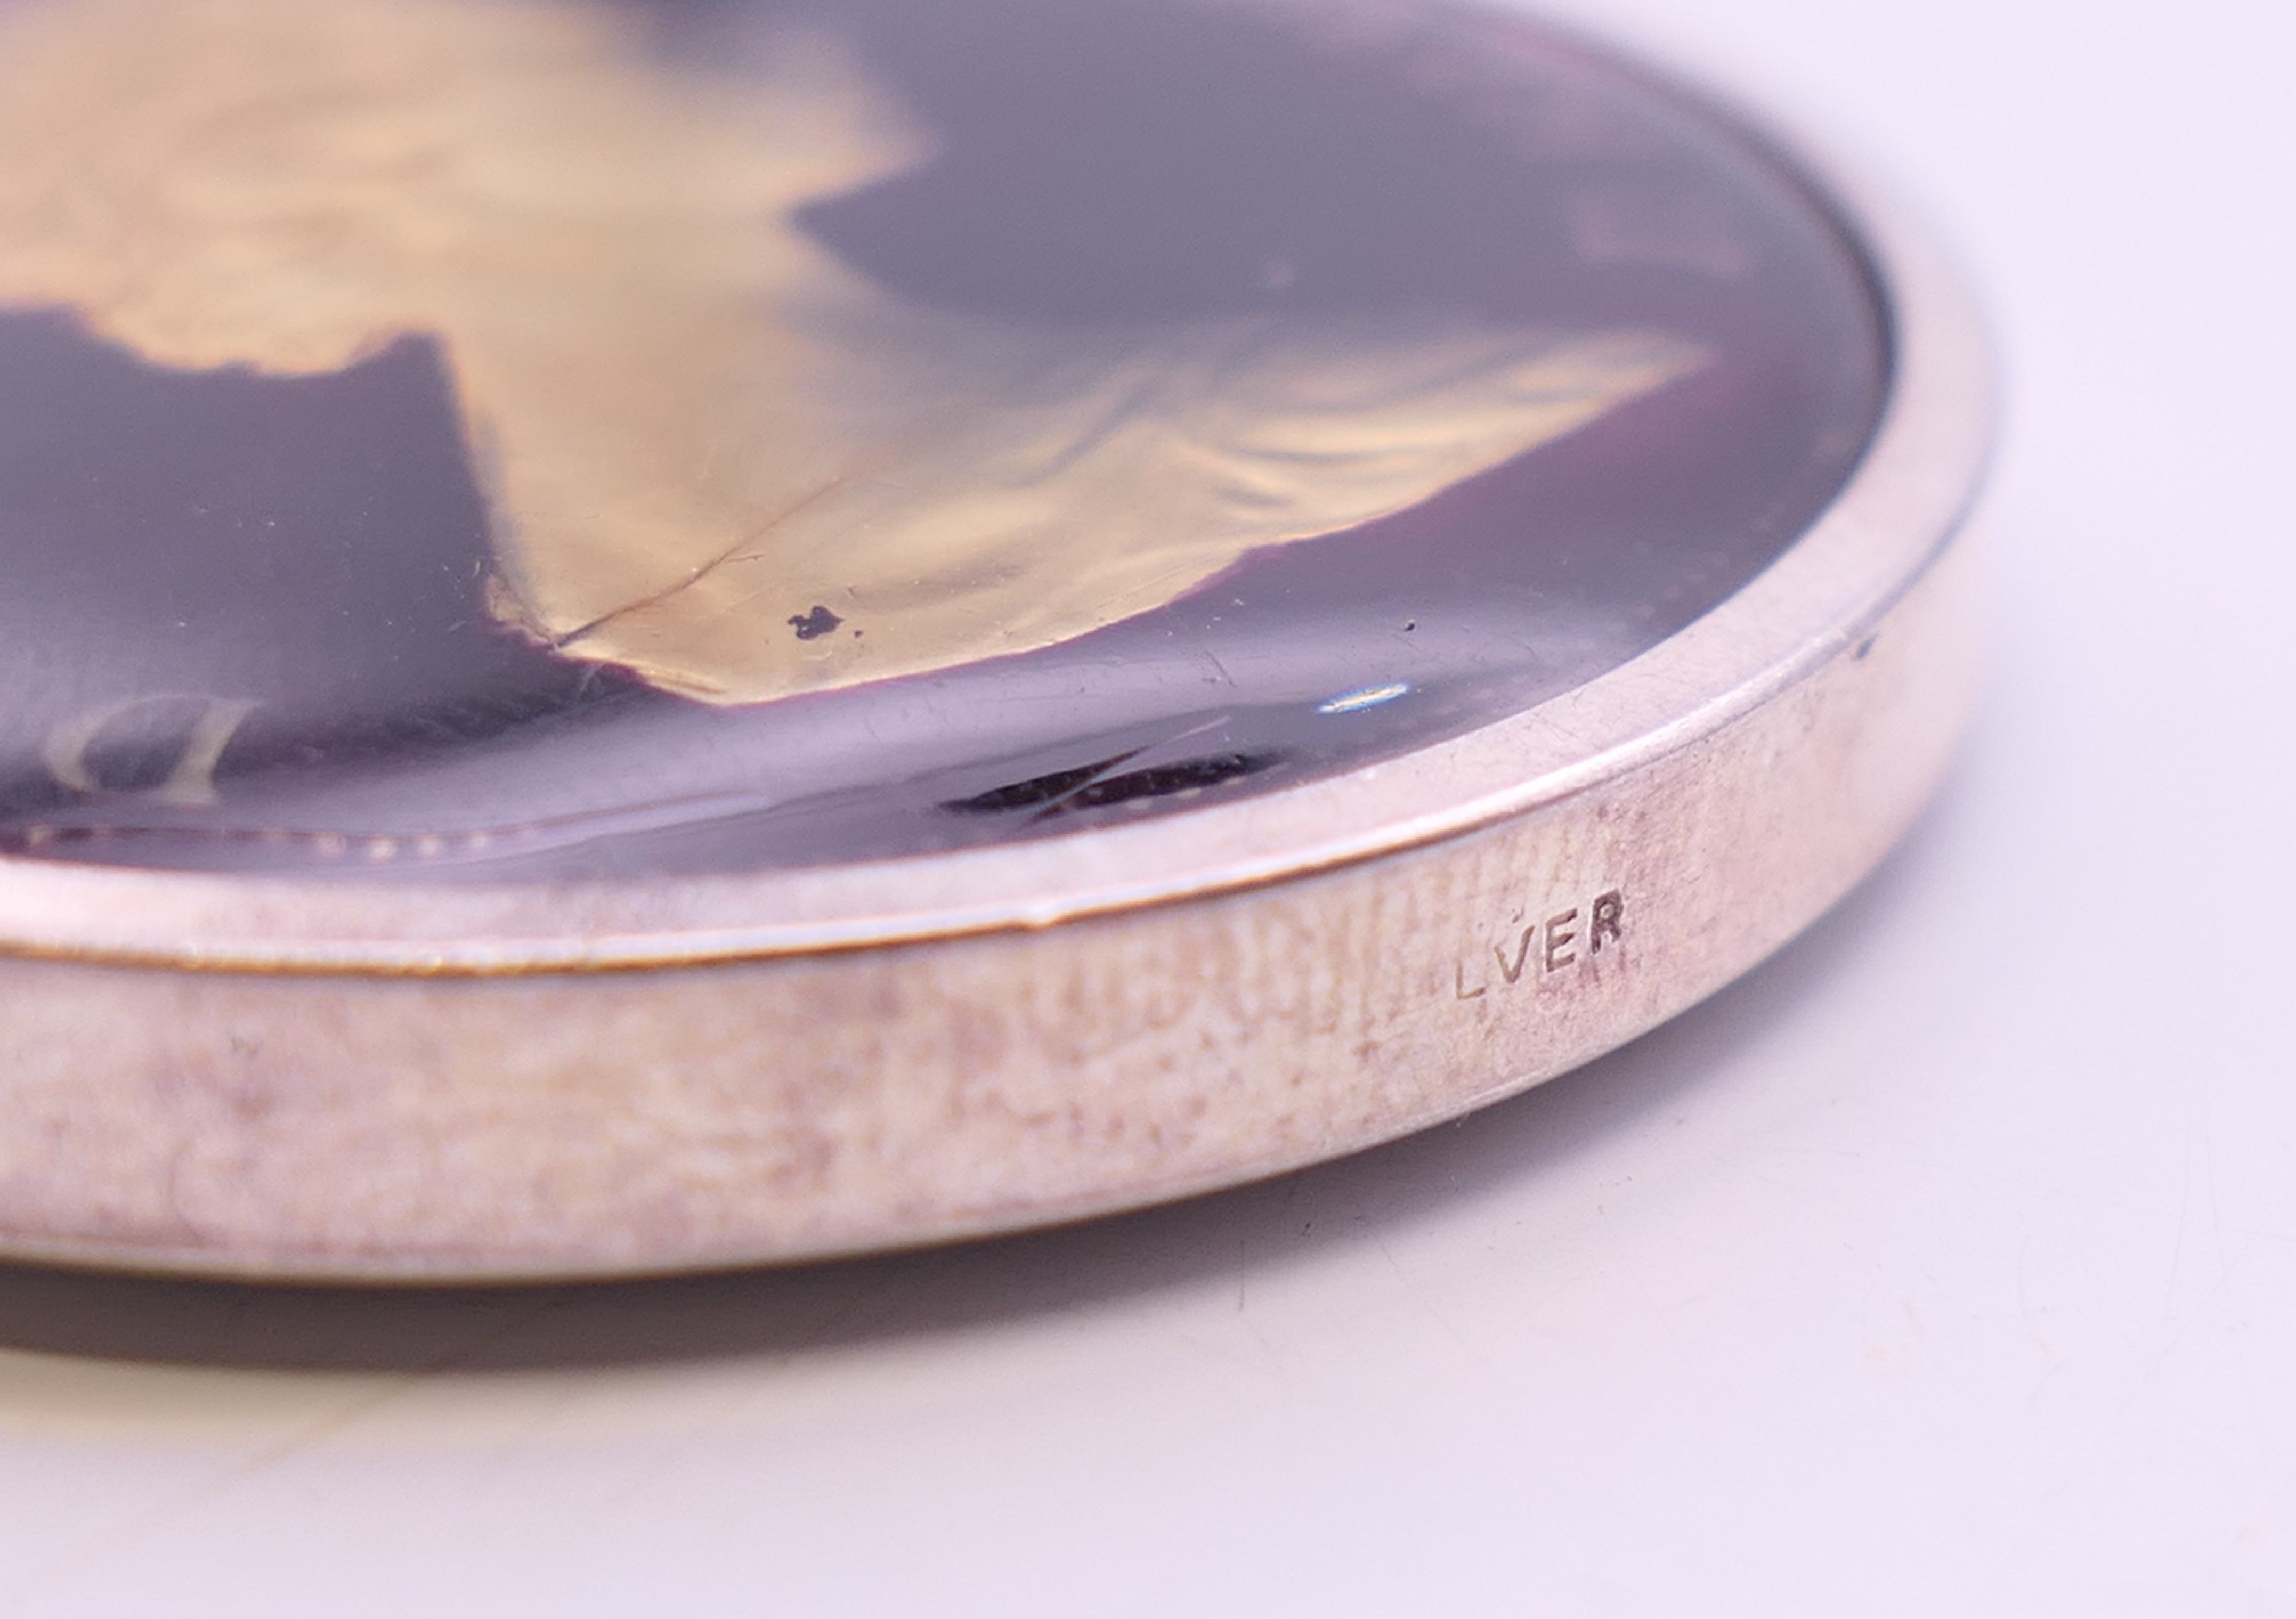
[{"x": 652, "y": 633}]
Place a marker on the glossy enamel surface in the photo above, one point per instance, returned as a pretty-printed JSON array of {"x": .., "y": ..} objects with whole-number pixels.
[{"x": 320, "y": 568}]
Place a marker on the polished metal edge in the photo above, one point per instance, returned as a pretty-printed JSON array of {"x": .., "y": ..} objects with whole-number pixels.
[{"x": 549, "y": 1126}]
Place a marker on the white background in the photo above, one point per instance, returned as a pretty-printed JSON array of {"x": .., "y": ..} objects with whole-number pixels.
[{"x": 1946, "y": 1265}]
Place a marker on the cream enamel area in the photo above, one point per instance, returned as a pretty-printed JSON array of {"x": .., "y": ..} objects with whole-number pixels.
[{"x": 698, "y": 430}]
